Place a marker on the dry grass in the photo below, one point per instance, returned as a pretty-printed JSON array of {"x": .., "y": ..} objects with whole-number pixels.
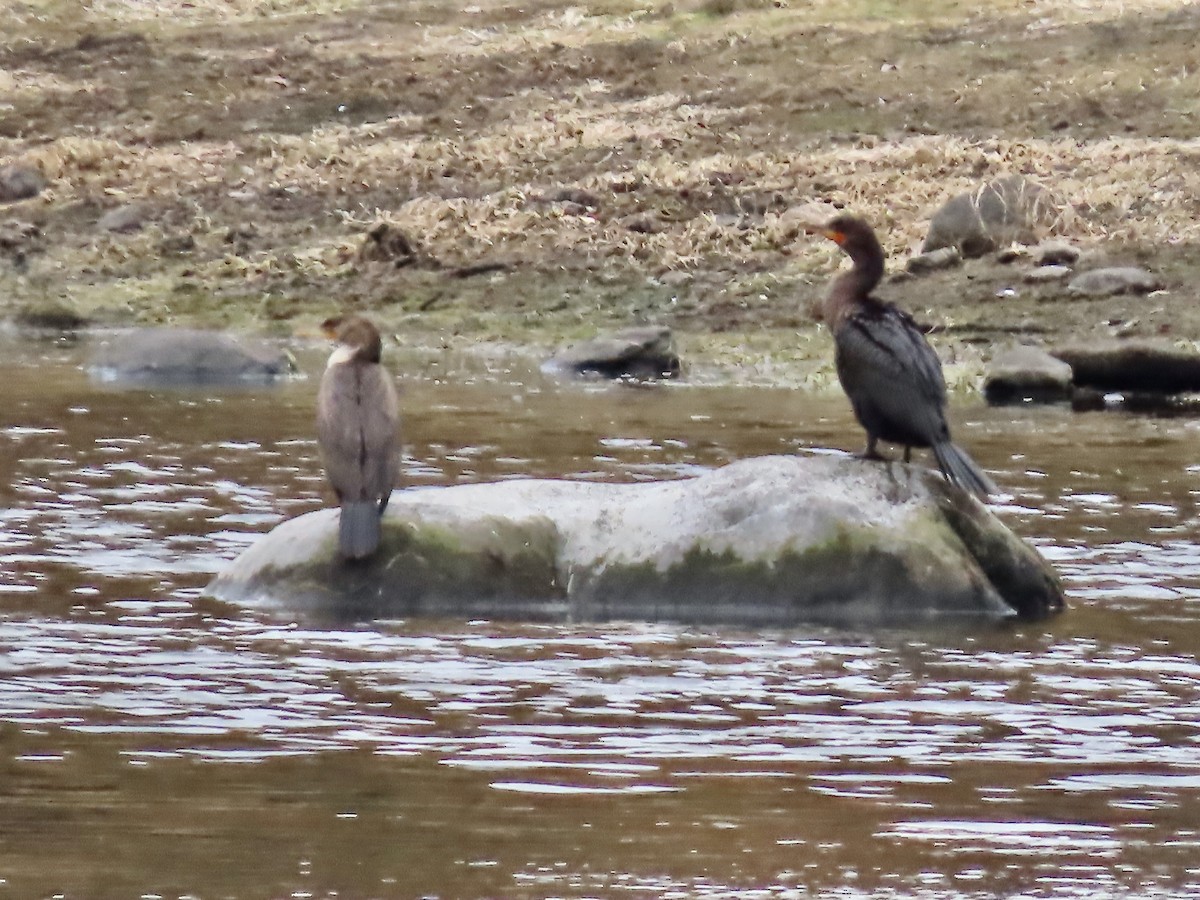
[{"x": 691, "y": 159}]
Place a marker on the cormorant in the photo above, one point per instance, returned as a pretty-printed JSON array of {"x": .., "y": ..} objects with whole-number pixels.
[
  {"x": 357, "y": 415},
  {"x": 888, "y": 370}
]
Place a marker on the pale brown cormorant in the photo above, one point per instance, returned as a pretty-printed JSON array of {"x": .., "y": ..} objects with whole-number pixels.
[
  {"x": 357, "y": 416},
  {"x": 888, "y": 370}
]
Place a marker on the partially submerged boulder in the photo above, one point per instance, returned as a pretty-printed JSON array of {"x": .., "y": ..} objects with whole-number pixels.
[
  {"x": 1023, "y": 374},
  {"x": 1012, "y": 208},
  {"x": 773, "y": 540},
  {"x": 183, "y": 357},
  {"x": 1133, "y": 365},
  {"x": 642, "y": 352}
]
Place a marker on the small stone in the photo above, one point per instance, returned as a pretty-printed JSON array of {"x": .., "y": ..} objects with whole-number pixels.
[
  {"x": 20, "y": 182},
  {"x": 124, "y": 219},
  {"x": 177, "y": 245},
  {"x": 1118, "y": 280},
  {"x": 675, "y": 277},
  {"x": 1057, "y": 253},
  {"x": 1024, "y": 374},
  {"x": 642, "y": 223},
  {"x": 942, "y": 258},
  {"x": 1048, "y": 274},
  {"x": 576, "y": 196}
]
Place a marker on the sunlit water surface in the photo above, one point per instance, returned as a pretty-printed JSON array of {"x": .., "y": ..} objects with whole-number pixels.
[{"x": 157, "y": 744}]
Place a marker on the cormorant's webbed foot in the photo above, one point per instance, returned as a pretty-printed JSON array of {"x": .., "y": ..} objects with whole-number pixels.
[{"x": 871, "y": 452}]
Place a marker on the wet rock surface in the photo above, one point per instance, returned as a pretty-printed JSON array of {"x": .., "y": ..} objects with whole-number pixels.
[
  {"x": 182, "y": 357},
  {"x": 1025, "y": 373},
  {"x": 642, "y": 352},
  {"x": 1133, "y": 365},
  {"x": 770, "y": 540}
]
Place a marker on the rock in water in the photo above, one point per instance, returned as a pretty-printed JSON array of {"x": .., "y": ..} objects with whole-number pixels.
[
  {"x": 1026, "y": 373},
  {"x": 183, "y": 357},
  {"x": 769, "y": 541},
  {"x": 1153, "y": 366},
  {"x": 644, "y": 352}
]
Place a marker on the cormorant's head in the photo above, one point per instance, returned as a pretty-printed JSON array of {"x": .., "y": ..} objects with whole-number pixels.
[
  {"x": 855, "y": 237},
  {"x": 357, "y": 338}
]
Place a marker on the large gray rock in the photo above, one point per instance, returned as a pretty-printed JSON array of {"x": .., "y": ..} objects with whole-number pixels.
[
  {"x": 773, "y": 540},
  {"x": 1024, "y": 373},
  {"x": 640, "y": 352},
  {"x": 1012, "y": 208},
  {"x": 1133, "y": 365},
  {"x": 182, "y": 357}
]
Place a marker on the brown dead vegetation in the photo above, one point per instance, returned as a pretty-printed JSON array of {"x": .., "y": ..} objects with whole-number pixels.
[{"x": 584, "y": 165}]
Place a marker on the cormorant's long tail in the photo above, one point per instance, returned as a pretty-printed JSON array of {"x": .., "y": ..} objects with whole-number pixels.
[
  {"x": 358, "y": 529},
  {"x": 962, "y": 470}
]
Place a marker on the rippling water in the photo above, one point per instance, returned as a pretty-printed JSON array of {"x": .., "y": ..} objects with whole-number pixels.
[{"x": 154, "y": 743}]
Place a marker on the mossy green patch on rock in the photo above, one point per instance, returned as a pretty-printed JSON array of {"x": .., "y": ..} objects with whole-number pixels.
[{"x": 487, "y": 567}]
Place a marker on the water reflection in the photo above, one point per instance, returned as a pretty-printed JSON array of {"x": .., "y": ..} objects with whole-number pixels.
[{"x": 148, "y": 733}]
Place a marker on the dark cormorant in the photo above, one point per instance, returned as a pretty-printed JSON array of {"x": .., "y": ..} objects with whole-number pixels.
[{"x": 888, "y": 370}]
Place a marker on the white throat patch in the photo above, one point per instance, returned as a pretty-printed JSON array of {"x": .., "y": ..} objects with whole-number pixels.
[{"x": 343, "y": 353}]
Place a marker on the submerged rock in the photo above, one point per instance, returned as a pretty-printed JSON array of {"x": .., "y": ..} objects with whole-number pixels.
[
  {"x": 1023, "y": 374},
  {"x": 773, "y": 540},
  {"x": 182, "y": 357},
  {"x": 1133, "y": 365},
  {"x": 1007, "y": 209},
  {"x": 630, "y": 353}
]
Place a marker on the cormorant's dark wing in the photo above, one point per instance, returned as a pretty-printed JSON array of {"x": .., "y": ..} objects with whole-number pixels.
[{"x": 892, "y": 375}]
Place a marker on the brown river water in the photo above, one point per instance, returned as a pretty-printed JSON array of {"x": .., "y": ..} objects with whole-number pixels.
[{"x": 154, "y": 743}]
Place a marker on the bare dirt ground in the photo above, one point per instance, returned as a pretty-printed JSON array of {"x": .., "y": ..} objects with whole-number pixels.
[{"x": 546, "y": 170}]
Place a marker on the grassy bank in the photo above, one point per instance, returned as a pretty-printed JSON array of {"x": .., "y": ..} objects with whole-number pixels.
[{"x": 556, "y": 169}]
